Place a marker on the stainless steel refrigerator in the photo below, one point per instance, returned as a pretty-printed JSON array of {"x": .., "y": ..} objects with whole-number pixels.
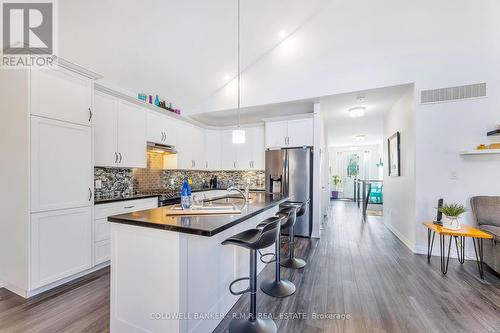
[{"x": 290, "y": 171}]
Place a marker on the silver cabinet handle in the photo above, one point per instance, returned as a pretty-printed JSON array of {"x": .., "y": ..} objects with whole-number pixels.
[
  {"x": 90, "y": 114},
  {"x": 206, "y": 164},
  {"x": 120, "y": 154},
  {"x": 116, "y": 157},
  {"x": 90, "y": 194},
  {"x": 234, "y": 164},
  {"x": 128, "y": 207},
  {"x": 165, "y": 136}
]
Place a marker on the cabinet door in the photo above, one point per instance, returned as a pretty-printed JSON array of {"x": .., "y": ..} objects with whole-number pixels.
[
  {"x": 61, "y": 244},
  {"x": 300, "y": 132},
  {"x": 198, "y": 148},
  {"x": 244, "y": 152},
  {"x": 131, "y": 136},
  {"x": 228, "y": 151},
  {"x": 258, "y": 148},
  {"x": 276, "y": 133},
  {"x": 155, "y": 130},
  {"x": 184, "y": 156},
  {"x": 213, "y": 149},
  {"x": 105, "y": 130},
  {"x": 62, "y": 95},
  {"x": 171, "y": 128},
  {"x": 61, "y": 165}
]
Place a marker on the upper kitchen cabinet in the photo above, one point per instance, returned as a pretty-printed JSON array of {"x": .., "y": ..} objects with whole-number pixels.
[
  {"x": 119, "y": 133},
  {"x": 161, "y": 129},
  {"x": 258, "y": 147},
  {"x": 61, "y": 165},
  {"x": 244, "y": 156},
  {"x": 228, "y": 151},
  {"x": 190, "y": 147},
  {"x": 213, "y": 150},
  {"x": 290, "y": 133},
  {"x": 61, "y": 94}
]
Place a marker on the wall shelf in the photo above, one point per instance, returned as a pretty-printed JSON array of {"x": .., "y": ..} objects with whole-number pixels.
[
  {"x": 480, "y": 152},
  {"x": 494, "y": 132}
]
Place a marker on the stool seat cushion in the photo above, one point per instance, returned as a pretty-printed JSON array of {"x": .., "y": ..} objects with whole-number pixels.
[
  {"x": 256, "y": 239},
  {"x": 244, "y": 239},
  {"x": 301, "y": 206}
]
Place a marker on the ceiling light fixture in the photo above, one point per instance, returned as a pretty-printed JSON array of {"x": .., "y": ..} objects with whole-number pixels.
[
  {"x": 239, "y": 135},
  {"x": 356, "y": 112}
]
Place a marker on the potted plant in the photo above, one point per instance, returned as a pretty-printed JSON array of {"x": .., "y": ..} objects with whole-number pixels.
[
  {"x": 336, "y": 183},
  {"x": 452, "y": 212}
]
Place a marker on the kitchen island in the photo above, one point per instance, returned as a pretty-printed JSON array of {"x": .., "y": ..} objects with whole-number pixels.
[{"x": 171, "y": 273}]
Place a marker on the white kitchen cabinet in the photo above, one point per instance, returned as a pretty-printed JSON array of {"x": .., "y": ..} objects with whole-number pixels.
[
  {"x": 190, "y": 147},
  {"x": 244, "y": 156},
  {"x": 300, "y": 132},
  {"x": 61, "y": 165},
  {"x": 119, "y": 133},
  {"x": 61, "y": 244},
  {"x": 213, "y": 148},
  {"x": 228, "y": 151},
  {"x": 131, "y": 136},
  {"x": 105, "y": 130},
  {"x": 161, "y": 129},
  {"x": 61, "y": 94},
  {"x": 102, "y": 226},
  {"x": 258, "y": 148},
  {"x": 290, "y": 133},
  {"x": 276, "y": 134}
]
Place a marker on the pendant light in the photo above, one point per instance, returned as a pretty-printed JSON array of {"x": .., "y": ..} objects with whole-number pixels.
[{"x": 239, "y": 136}]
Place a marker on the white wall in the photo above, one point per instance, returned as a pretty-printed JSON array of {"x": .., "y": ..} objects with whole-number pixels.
[
  {"x": 443, "y": 130},
  {"x": 399, "y": 192}
]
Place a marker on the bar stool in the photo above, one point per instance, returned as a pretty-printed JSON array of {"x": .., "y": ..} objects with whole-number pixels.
[
  {"x": 253, "y": 239},
  {"x": 277, "y": 287},
  {"x": 298, "y": 209}
]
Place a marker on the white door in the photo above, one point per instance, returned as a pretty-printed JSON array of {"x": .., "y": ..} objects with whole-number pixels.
[
  {"x": 155, "y": 130},
  {"x": 61, "y": 165},
  {"x": 61, "y": 94},
  {"x": 213, "y": 149},
  {"x": 300, "y": 132},
  {"x": 61, "y": 244},
  {"x": 105, "y": 130},
  {"x": 228, "y": 151},
  {"x": 276, "y": 134},
  {"x": 258, "y": 148},
  {"x": 131, "y": 136},
  {"x": 244, "y": 152}
]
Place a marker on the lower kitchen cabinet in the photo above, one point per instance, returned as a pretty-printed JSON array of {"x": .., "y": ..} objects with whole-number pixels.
[
  {"x": 61, "y": 244},
  {"x": 102, "y": 236}
]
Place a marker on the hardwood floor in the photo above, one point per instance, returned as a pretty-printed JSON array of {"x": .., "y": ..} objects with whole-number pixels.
[{"x": 357, "y": 268}]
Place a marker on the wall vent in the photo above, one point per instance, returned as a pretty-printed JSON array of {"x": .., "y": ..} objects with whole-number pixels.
[{"x": 443, "y": 95}]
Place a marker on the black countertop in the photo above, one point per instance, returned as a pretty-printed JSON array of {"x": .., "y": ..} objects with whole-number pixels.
[{"x": 204, "y": 225}]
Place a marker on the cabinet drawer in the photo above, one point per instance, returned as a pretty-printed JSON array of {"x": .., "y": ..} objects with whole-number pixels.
[
  {"x": 102, "y": 211},
  {"x": 101, "y": 230},
  {"x": 102, "y": 252}
]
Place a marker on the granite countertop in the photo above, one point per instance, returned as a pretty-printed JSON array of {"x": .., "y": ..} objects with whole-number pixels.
[
  {"x": 204, "y": 225},
  {"x": 121, "y": 197}
]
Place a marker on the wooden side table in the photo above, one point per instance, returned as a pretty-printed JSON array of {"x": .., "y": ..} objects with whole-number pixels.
[{"x": 459, "y": 236}]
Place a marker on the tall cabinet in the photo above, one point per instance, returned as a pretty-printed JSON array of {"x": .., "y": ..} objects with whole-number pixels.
[{"x": 47, "y": 148}]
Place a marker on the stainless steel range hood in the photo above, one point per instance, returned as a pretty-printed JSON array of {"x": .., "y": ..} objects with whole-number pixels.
[{"x": 159, "y": 148}]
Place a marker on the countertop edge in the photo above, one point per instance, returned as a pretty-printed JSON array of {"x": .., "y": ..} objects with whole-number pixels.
[{"x": 185, "y": 230}]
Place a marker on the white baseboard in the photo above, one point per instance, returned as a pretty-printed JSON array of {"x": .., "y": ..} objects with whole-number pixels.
[{"x": 402, "y": 238}]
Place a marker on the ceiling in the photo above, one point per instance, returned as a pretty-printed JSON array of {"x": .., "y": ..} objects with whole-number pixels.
[
  {"x": 186, "y": 51},
  {"x": 342, "y": 129}
]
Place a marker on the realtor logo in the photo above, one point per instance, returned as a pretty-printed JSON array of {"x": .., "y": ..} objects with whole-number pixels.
[
  {"x": 27, "y": 27},
  {"x": 28, "y": 30}
]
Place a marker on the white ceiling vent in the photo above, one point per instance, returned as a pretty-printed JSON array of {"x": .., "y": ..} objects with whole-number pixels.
[{"x": 453, "y": 93}]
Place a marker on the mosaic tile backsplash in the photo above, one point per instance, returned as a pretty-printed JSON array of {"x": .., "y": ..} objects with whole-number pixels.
[{"x": 123, "y": 182}]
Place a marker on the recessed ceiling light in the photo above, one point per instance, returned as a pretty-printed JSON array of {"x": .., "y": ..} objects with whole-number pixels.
[
  {"x": 282, "y": 33},
  {"x": 359, "y": 137},
  {"x": 356, "y": 112}
]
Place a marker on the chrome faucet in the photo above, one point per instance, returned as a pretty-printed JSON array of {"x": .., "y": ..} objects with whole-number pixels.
[{"x": 243, "y": 194}]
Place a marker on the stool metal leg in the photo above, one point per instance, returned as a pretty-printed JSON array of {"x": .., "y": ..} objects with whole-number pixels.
[
  {"x": 292, "y": 261},
  {"x": 277, "y": 287},
  {"x": 253, "y": 324}
]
